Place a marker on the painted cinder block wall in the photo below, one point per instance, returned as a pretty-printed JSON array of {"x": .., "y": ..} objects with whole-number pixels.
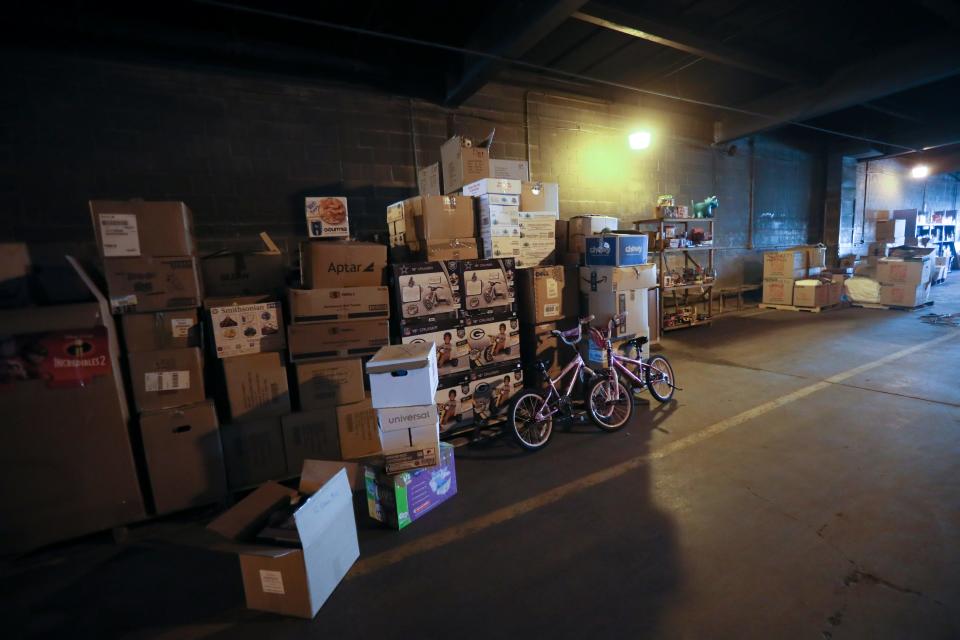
[{"x": 244, "y": 150}]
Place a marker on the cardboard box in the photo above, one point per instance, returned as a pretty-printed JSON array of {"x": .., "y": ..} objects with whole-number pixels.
[
  {"x": 492, "y": 388},
  {"x": 499, "y": 215},
  {"x": 312, "y": 340},
  {"x": 509, "y": 169},
  {"x": 405, "y": 418},
  {"x": 545, "y": 295},
  {"x": 444, "y": 250},
  {"x": 357, "y": 428},
  {"x": 816, "y": 256},
  {"x": 295, "y": 581},
  {"x": 152, "y": 284},
  {"x": 501, "y": 247},
  {"x": 615, "y": 279},
  {"x": 409, "y": 449},
  {"x": 492, "y": 186},
  {"x": 488, "y": 283},
  {"x": 540, "y": 196},
  {"x": 498, "y": 199},
  {"x": 614, "y": 250},
  {"x": 904, "y": 295},
  {"x": 327, "y": 217},
  {"x": 493, "y": 342},
  {"x": 606, "y": 306},
  {"x": 66, "y": 441},
  {"x": 428, "y": 180},
  {"x": 137, "y": 228},
  {"x": 653, "y": 314},
  {"x": 443, "y": 217},
  {"x": 241, "y": 326},
  {"x": 398, "y": 500},
  {"x": 541, "y": 224},
  {"x": 327, "y": 383},
  {"x": 450, "y": 338},
  {"x": 427, "y": 290},
  {"x": 403, "y": 375},
  {"x": 161, "y": 330},
  {"x": 232, "y": 274},
  {"x": 15, "y": 269},
  {"x": 166, "y": 378},
  {"x": 256, "y": 386},
  {"x": 911, "y": 272},
  {"x": 538, "y": 344},
  {"x": 499, "y": 231},
  {"x": 184, "y": 456},
  {"x": 342, "y": 264},
  {"x": 879, "y": 214},
  {"x": 890, "y": 230},
  {"x": 310, "y": 435},
  {"x": 785, "y": 264},
  {"x": 253, "y": 452},
  {"x": 811, "y": 293},
  {"x": 835, "y": 290},
  {"x": 400, "y": 222},
  {"x": 582, "y": 226},
  {"x": 331, "y": 305},
  {"x": 778, "y": 291},
  {"x": 454, "y": 402},
  {"x": 462, "y": 162}
]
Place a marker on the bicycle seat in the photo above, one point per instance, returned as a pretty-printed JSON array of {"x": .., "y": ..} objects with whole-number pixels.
[{"x": 570, "y": 336}]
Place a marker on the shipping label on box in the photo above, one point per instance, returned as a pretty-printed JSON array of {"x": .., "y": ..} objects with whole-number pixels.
[
  {"x": 454, "y": 402},
  {"x": 542, "y": 295},
  {"x": 327, "y": 217},
  {"x": 325, "y": 383},
  {"x": 140, "y": 228},
  {"x": 348, "y": 303},
  {"x": 510, "y": 169},
  {"x": 152, "y": 284},
  {"x": 166, "y": 378},
  {"x": 427, "y": 290},
  {"x": 240, "y": 329},
  {"x": 450, "y": 336},
  {"x": 493, "y": 342},
  {"x": 160, "y": 330},
  {"x": 488, "y": 284}
]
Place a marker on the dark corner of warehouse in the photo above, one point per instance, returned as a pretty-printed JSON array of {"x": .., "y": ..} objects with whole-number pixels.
[{"x": 372, "y": 319}]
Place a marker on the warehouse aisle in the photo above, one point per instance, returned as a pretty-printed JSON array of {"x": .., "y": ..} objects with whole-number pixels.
[{"x": 803, "y": 484}]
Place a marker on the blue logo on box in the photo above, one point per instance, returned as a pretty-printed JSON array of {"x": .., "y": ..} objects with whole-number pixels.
[{"x": 616, "y": 250}]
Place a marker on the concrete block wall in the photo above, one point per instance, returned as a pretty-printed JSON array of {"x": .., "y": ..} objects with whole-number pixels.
[{"x": 244, "y": 150}]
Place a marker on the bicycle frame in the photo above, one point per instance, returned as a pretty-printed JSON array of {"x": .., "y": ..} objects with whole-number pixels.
[{"x": 576, "y": 366}]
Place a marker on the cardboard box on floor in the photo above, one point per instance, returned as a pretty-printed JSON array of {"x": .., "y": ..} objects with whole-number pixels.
[
  {"x": 256, "y": 386},
  {"x": 778, "y": 291},
  {"x": 341, "y": 263},
  {"x": 166, "y": 378},
  {"x": 295, "y": 581},
  {"x": 785, "y": 264},
  {"x": 811, "y": 293},
  {"x": 138, "y": 228},
  {"x": 152, "y": 284},
  {"x": 184, "y": 456},
  {"x": 161, "y": 330},
  {"x": 913, "y": 272},
  {"x": 904, "y": 295},
  {"x": 462, "y": 161}
]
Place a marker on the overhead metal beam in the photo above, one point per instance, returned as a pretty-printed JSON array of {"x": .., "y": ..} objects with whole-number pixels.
[
  {"x": 534, "y": 20},
  {"x": 881, "y": 75},
  {"x": 683, "y": 40}
]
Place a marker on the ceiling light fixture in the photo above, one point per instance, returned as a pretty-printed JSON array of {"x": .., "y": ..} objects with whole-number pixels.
[
  {"x": 639, "y": 139},
  {"x": 920, "y": 171}
]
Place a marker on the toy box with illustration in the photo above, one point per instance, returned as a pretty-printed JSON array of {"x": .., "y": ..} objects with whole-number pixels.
[
  {"x": 493, "y": 342},
  {"x": 492, "y": 388},
  {"x": 454, "y": 403},
  {"x": 427, "y": 290},
  {"x": 488, "y": 283},
  {"x": 450, "y": 336}
]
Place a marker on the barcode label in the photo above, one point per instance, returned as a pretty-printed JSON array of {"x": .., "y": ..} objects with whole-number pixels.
[
  {"x": 553, "y": 288},
  {"x": 271, "y": 582},
  {"x": 123, "y": 303},
  {"x": 180, "y": 327},
  {"x": 157, "y": 381},
  {"x": 118, "y": 234},
  {"x": 551, "y": 310}
]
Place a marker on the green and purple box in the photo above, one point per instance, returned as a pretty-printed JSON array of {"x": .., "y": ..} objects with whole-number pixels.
[{"x": 400, "y": 499}]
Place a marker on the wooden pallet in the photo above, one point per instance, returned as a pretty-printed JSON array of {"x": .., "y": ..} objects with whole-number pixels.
[
  {"x": 790, "y": 307},
  {"x": 888, "y": 307}
]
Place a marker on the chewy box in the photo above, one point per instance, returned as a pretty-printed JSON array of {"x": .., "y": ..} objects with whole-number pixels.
[
  {"x": 616, "y": 250},
  {"x": 399, "y": 500}
]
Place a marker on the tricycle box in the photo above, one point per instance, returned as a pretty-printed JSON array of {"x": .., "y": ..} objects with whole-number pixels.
[{"x": 427, "y": 290}]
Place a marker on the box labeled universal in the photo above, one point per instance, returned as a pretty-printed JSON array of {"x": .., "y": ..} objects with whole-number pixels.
[
  {"x": 615, "y": 279},
  {"x": 327, "y": 217},
  {"x": 348, "y": 303},
  {"x": 241, "y": 326},
  {"x": 491, "y": 186},
  {"x": 398, "y": 500},
  {"x": 488, "y": 284},
  {"x": 427, "y": 290},
  {"x": 403, "y": 375},
  {"x": 616, "y": 250},
  {"x": 450, "y": 336},
  {"x": 399, "y": 418}
]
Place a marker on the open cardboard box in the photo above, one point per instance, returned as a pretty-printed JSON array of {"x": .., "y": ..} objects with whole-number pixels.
[{"x": 296, "y": 581}]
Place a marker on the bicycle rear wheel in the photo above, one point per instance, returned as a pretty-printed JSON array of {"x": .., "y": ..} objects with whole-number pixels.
[
  {"x": 529, "y": 433},
  {"x": 660, "y": 378},
  {"x": 609, "y": 407}
]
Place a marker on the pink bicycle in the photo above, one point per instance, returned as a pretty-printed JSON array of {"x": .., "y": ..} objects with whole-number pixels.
[{"x": 608, "y": 401}]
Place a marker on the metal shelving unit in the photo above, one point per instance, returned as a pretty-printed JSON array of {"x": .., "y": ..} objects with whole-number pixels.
[{"x": 676, "y": 296}]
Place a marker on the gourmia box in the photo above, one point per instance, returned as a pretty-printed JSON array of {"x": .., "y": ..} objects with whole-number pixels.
[{"x": 327, "y": 217}]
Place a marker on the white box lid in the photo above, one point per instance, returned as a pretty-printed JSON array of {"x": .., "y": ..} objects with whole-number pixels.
[{"x": 395, "y": 357}]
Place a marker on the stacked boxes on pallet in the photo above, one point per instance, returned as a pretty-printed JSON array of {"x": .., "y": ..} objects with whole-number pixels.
[
  {"x": 797, "y": 271},
  {"x": 150, "y": 264},
  {"x": 905, "y": 276}
]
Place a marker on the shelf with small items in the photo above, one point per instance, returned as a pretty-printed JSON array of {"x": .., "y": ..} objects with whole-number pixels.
[
  {"x": 687, "y": 325},
  {"x": 673, "y": 220}
]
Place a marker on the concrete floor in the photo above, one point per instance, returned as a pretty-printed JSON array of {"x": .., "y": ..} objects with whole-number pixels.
[{"x": 804, "y": 484}]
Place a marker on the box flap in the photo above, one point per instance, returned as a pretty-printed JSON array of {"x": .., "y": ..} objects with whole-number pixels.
[
  {"x": 395, "y": 357},
  {"x": 247, "y": 515},
  {"x": 322, "y": 508},
  {"x": 316, "y": 473}
]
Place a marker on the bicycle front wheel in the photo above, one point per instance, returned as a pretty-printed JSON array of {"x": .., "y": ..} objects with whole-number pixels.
[
  {"x": 609, "y": 406},
  {"x": 529, "y": 432},
  {"x": 660, "y": 378}
]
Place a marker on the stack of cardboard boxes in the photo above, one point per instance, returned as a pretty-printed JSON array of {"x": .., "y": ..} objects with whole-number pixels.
[
  {"x": 150, "y": 264},
  {"x": 432, "y": 227},
  {"x": 539, "y": 213},
  {"x": 881, "y": 233},
  {"x": 792, "y": 278},
  {"x": 572, "y": 234},
  {"x": 498, "y": 213},
  {"x": 548, "y": 301},
  {"x": 905, "y": 277}
]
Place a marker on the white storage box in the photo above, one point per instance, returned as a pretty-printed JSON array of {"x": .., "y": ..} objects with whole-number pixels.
[{"x": 403, "y": 375}]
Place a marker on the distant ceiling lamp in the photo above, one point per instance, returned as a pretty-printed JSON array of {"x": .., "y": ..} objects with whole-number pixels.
[
  {"x": 639, "y": 139},
  {"x": 920, "y": 171}
]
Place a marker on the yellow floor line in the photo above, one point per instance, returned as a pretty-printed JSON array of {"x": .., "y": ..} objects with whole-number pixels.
[{"x": 376, "y": 562}]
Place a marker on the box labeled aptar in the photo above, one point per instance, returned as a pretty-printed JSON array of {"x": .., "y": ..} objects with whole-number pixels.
[
  {"x": 312, "y": 340},
  {"x": 342, "y": 264},
  {"x": 493, "y": 342},
  {"x": 137, "y": 228},
  {"x": 403, "y": 375},
  {"x": 398, "y": 500},
  {"x": 331, "y": 305},
  {"x": 492, "y": 388},
  {"x": 241, "y": 326},
  {"x": 189, "y": 435},
  {"x": 427, "y": 290},
  {"x": 462, "y": 162},
  {"x": 295, "y": 578},
  {"x": 778, "y": 291},
  {"x": 453, "y": 349},
  {"x": 327, "y": 383},
  {"x": 615, "y": 279},
  {"x": 490, "y": 186},
  {"x": 166, "y": 378},
  {"x": 256, "y": 386},
  {"x": 161, "y": 330},
  {"x": 146, "y": 284},
  {"x": 488, "y": 283},
  {"x": 615, "y": 250},
  {"x": 327, "y": 217}
]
